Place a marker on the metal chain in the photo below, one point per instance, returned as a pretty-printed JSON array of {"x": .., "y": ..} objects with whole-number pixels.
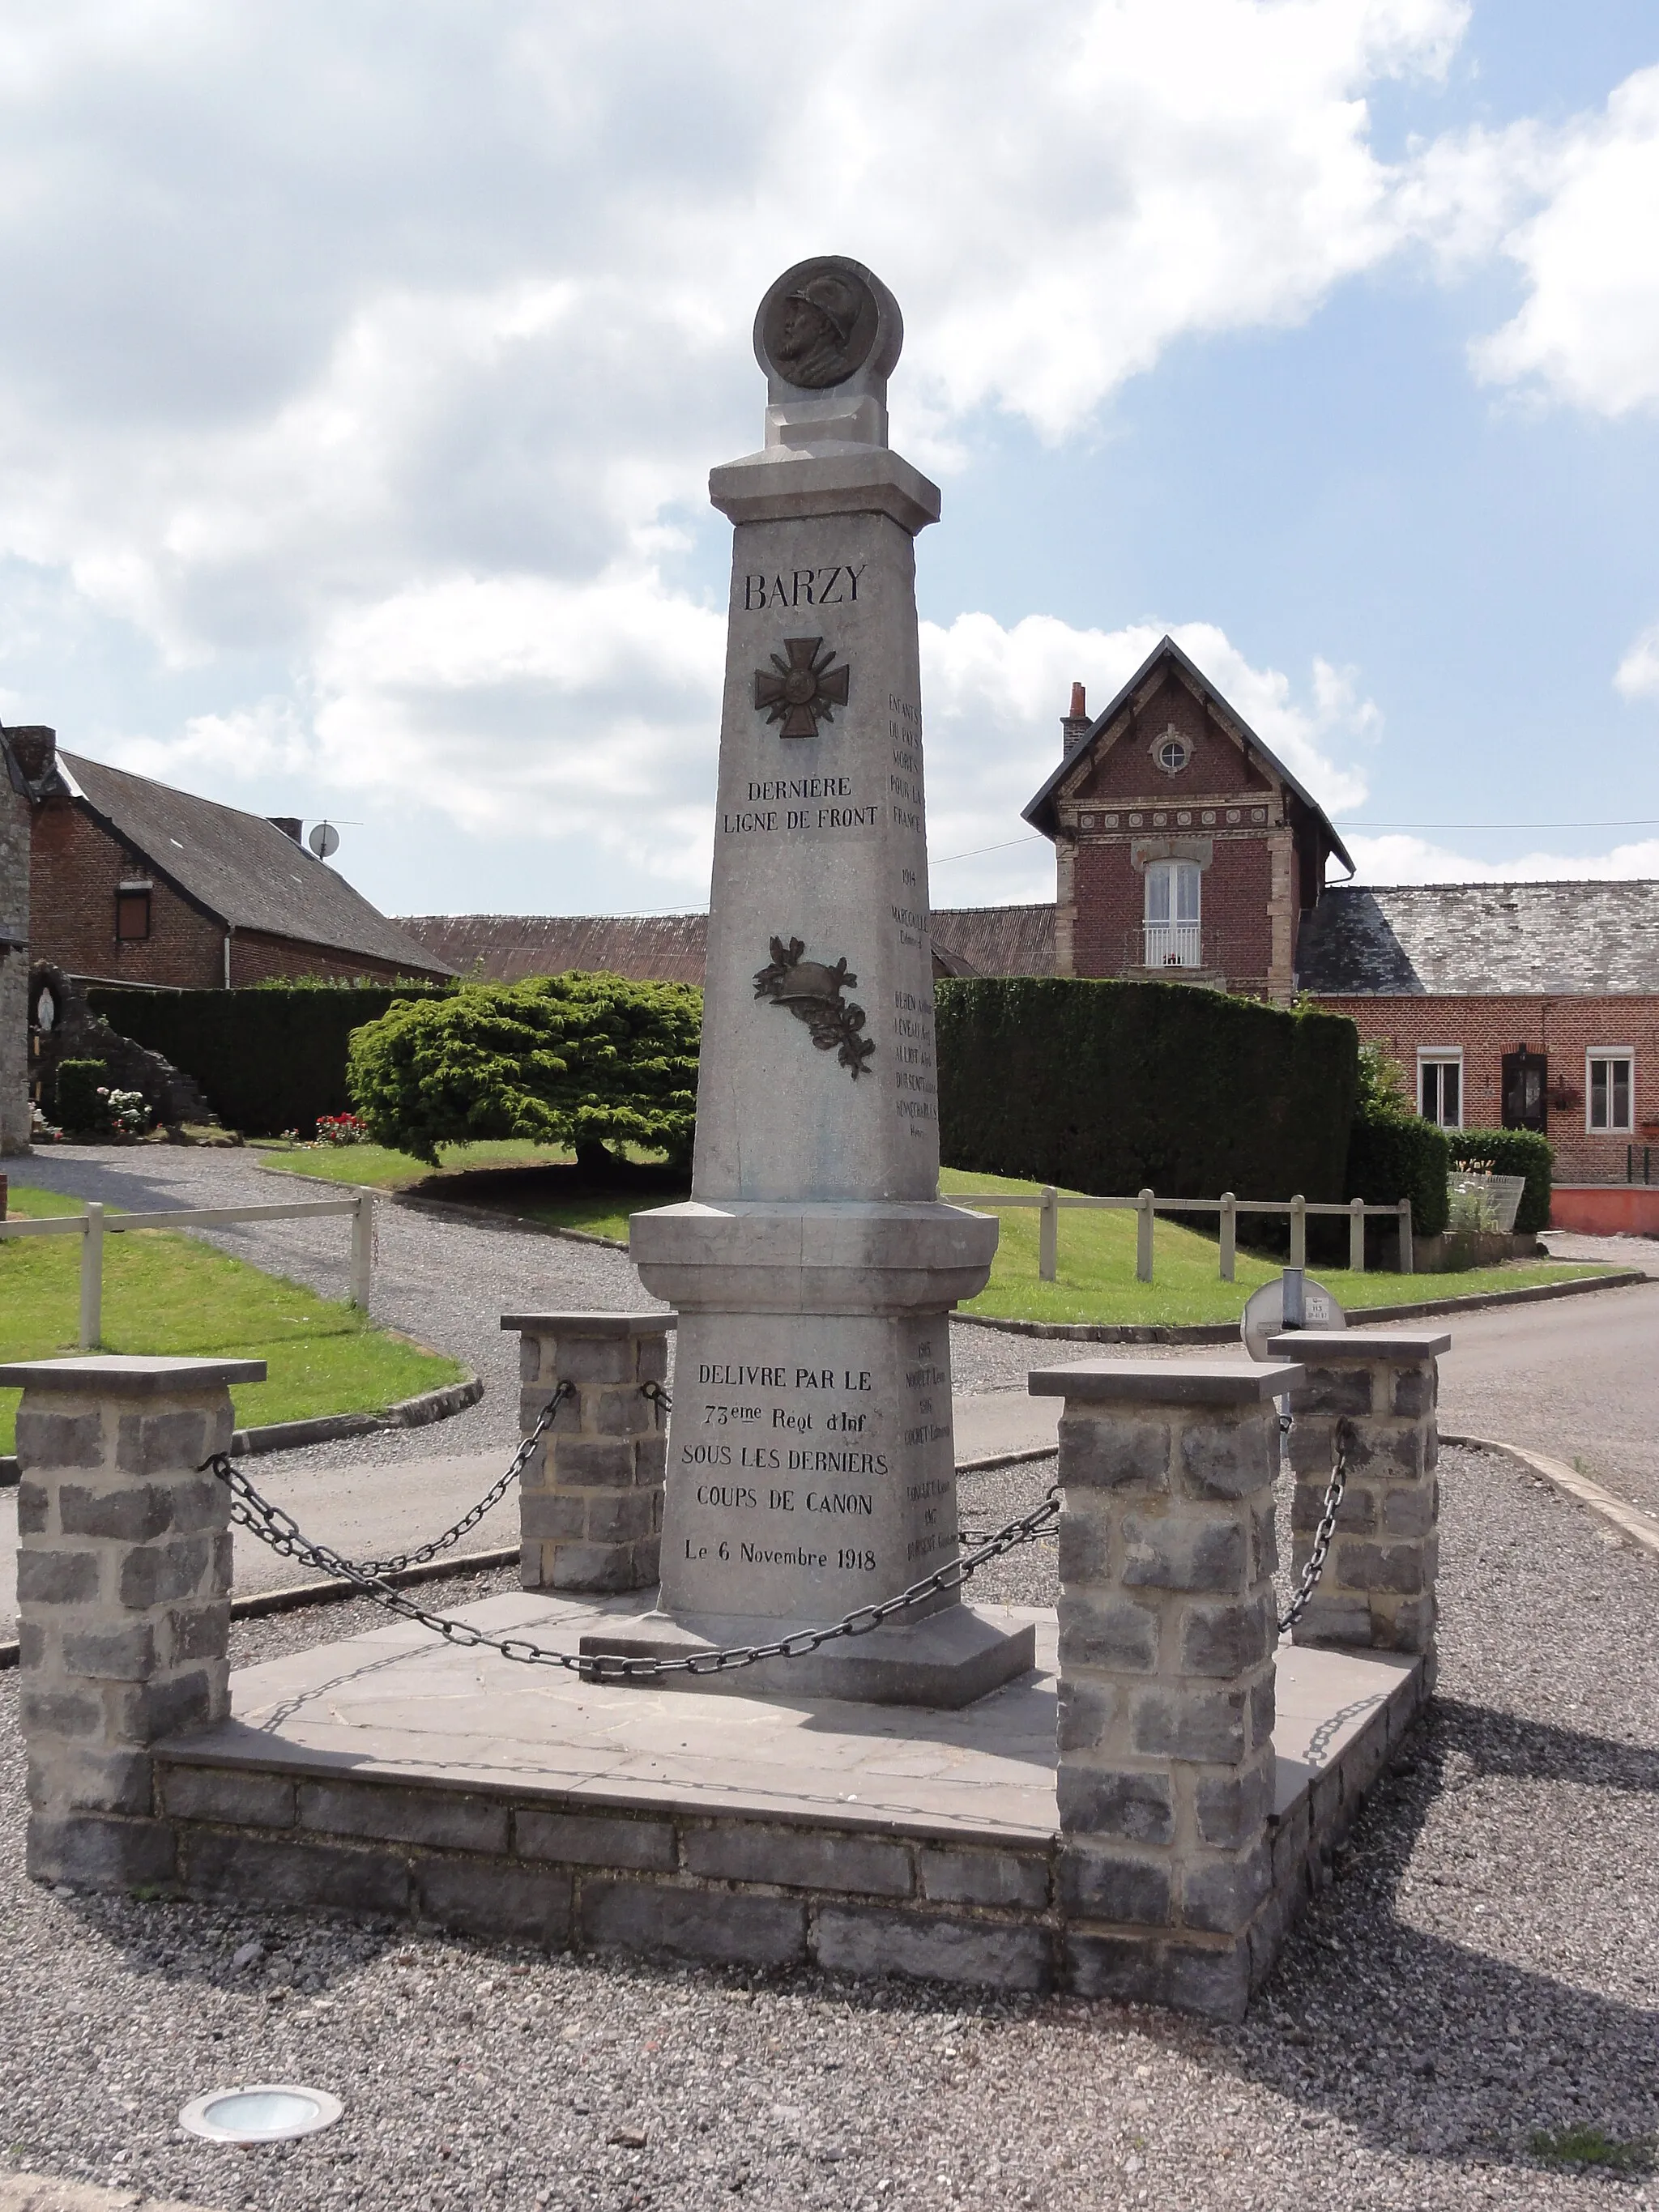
[
  {"x": 279, "y": 1529},
  {"x": 657, "y": 1396},
  {"x": 1314, "y": 1566},
  {"x": 491, "y": 1498}
]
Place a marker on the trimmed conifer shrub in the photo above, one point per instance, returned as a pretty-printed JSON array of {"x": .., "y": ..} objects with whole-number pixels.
[{"x": 586, "y": 1060}]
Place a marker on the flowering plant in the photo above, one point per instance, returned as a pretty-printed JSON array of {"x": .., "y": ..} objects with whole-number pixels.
[
  {"x": 127, "y": 1111},
  {"x": 340, "y": 1129}
]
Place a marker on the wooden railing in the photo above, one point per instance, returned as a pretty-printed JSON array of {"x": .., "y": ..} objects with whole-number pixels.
[
  {"x": 1146, "y": 1204},
  {"x": 94, "y": 1225}
]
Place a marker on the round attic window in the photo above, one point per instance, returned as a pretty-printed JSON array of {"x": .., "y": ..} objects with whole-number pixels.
[{"x": 1172, "y": 754}]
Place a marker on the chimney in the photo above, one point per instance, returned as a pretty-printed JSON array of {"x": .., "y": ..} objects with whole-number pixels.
[
  {"x": 35, "y": 750},
  {"x": 289, "y": 824},
  {"x": 1074, "y": 727}
]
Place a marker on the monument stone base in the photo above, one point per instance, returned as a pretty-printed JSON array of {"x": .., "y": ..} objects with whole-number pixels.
[
  {"x": 399, "y": 1776},
  {"x": 945, "y": 1661}
]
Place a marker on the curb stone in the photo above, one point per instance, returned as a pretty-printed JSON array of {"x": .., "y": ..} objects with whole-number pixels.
[
  {"x": 1639, "y": 1527},
  {"x": 417, "y": 1413}
]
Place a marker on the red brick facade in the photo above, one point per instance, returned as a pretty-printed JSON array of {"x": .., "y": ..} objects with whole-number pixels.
[
  {"x": 1564, "y": 1030},
  {"x": 77, "y": 869}
]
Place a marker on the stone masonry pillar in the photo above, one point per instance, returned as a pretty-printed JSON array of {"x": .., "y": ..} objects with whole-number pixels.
[
  {"x": 590, "y": 1500},
  {"x": 1167, "y": 1632},
  {"x": 123, "y": 1573},
  {"x": 1377, "y": 1591}
]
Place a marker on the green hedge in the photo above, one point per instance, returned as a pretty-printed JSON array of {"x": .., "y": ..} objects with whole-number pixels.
[
  {"x": 1393, "y": 1156},
  {"x": 1113, "y": 1087},
  {"x": 1511, "y": 1152},
  {"x": 269, "y": 1058},
  {"x": 74, "y": 1097}
]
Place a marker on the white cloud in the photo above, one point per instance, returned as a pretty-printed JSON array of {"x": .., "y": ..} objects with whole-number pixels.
[
  {"x": 314, "y": 326},
  {"x": 1577, "y": 210},
  {"x": 1403, "y": 859},
  {"x": 1638, "y": 673}
]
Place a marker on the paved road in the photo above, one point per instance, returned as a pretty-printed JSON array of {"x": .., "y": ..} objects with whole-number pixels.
[{"x": 1577, "y": 1378}]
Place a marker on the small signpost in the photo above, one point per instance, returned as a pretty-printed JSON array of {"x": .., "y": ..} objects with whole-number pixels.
[{"x": 1295, "y": 1301}]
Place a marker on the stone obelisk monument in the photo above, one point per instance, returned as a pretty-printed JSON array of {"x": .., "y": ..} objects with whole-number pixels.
[{"x": 811, "y": 1463}]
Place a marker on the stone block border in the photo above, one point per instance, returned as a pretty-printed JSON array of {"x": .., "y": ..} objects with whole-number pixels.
[{"x": 1636, "y": 1526}]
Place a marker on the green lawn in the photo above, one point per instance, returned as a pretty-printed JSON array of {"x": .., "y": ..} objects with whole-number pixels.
[
  {"x": 1096, "y": 1250},
  {"x": 1097, "y": 1281},
  {"x": 168, "y": 1292}
]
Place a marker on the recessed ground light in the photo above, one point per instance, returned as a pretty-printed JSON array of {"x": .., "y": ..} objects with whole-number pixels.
[{"x": 258, "y": 2113}]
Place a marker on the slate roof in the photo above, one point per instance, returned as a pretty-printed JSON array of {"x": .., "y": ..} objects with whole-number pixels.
[
  {"x": 505, "y": 948},
  {"x": 672, "y": 948},
  {"x": 242, "y": 869},
  {"x": 1481, "y": 939},
  {"x": 1041, "y": 812},
  {"x": 995, "y": 941}
]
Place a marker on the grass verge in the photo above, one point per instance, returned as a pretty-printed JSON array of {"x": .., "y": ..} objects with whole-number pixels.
[
  {"x": 1097, "y": 1281},
  {"x": 166, "y": 1293}
]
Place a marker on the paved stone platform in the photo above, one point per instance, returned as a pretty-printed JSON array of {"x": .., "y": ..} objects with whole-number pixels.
[{"x": 396, "y": 1773}]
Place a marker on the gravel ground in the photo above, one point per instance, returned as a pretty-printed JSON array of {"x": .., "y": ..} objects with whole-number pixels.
[{"x": 1485, "y": 1963}]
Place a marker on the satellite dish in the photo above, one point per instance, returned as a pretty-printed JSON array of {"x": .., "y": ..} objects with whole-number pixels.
[{"x": 324, "y": 840}]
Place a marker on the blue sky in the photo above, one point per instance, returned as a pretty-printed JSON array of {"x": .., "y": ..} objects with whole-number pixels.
[{"x": 365, "y": 364}]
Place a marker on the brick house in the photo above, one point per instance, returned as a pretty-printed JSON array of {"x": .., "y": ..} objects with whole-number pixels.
[
  {"x": 1184, "y": 849},
  {"x": 133, "y": 882},
  {"x": 1529, "y": 1005}
]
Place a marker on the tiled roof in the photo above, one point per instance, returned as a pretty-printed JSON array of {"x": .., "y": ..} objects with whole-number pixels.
[
  {"x": 671, "y": 948},
  {"x": 242, "y": 868},
  {"x": 995, "y": 941},
  {"x": 1481, "y": 939},
  {"x": 505, "y": 948}
]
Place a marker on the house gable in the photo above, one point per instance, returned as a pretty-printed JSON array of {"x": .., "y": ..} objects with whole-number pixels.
[{"x": 1119, "y": 761}]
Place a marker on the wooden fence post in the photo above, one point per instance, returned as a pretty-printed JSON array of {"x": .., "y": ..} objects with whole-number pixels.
[
  {"x": 1049, "y": 1235},
  {"x": 92, "y": 1276},
  {"x": 1229, "y": 1236},
  {"x": 1405, "y": 1253},
  {"x": 1298, "y": 1231},
  {"x": 362, "y": 1250},
  {"x": 1357, "y": 1236},
  {"x": 1143, "y": 1237}
]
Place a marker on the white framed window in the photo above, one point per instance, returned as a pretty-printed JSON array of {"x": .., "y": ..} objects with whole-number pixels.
[
  {"x": 1174, "y": 899},
  {"x": 1609, "y": 1088},
  {"x": 1440, "y": 1085}
]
